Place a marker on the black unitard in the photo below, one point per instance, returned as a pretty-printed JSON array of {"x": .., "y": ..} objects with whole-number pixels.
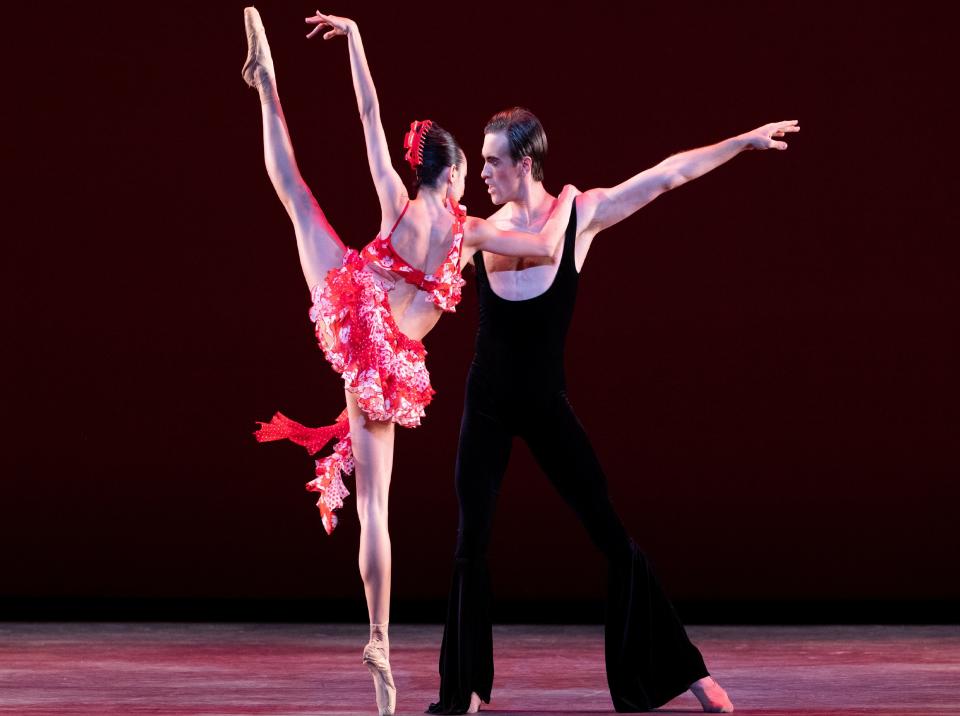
[{"x": 516, "y": 388}]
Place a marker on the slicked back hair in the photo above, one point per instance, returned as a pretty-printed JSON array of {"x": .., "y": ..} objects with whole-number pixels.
[{"x": 525, "y": 136}]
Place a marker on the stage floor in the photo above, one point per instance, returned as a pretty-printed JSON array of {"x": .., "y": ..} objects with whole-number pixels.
[{"x": 219, "y": 669}]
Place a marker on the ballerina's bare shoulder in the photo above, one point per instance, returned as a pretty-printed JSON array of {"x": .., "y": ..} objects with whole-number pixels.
[{"x": 423, "y": 241}]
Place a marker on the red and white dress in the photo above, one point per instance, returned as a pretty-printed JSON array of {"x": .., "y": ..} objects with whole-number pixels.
[{"x": 382, "y": 367}]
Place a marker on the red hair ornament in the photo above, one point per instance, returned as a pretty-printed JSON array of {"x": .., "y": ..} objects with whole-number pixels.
[{"x": 413, "y": 142}]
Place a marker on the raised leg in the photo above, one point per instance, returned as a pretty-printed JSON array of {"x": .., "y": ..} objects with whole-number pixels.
[{"x": 319, "y": 247}]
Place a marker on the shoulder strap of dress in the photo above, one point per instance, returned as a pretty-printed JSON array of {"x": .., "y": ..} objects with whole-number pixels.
[
  {"x": 459, "y": 219},
  {"x": 397, "y": 222}
]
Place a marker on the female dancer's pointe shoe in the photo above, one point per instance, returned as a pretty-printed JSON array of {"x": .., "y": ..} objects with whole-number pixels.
[
  {"x": 376, "y": 661},
  {"x": 258, "y": 66},
  {"x": 712, "y": 698}
]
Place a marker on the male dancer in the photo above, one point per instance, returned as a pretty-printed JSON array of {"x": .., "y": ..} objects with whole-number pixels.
[{"x": 516, "y": 388}]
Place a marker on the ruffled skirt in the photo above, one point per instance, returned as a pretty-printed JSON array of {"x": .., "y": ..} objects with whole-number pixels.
[{"x": 385, "y": 369}]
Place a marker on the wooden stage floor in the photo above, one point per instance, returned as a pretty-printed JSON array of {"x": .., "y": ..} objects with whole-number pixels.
[{"x": 105, "y": 669}]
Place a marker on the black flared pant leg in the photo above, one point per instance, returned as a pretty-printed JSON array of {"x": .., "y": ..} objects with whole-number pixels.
[
  {"x": 466, "y": 653},
  {"x": 649, "y": 658}
]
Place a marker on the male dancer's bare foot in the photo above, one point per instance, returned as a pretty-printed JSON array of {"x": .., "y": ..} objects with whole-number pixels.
[
  {"x": 474, "y": 703},
  {"x": 258, "y": 67},
  {"x": 712, "y": 698}
]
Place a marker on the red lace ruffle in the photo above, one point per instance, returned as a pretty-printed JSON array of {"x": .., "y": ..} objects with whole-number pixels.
[
  {"x": 384, "y": 368},
  {"x": 328, "y": 481}
]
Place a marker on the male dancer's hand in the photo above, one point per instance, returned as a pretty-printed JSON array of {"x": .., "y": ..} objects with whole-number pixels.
[
  {"x": 337, "y": 25},
  {"x": 763, "y": 137}
]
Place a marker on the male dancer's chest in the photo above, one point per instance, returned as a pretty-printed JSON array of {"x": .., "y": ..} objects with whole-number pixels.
[{"x": 519, "y": 278}]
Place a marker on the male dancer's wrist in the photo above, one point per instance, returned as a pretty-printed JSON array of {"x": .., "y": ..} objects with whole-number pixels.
[{"x": 743, "y": 142}]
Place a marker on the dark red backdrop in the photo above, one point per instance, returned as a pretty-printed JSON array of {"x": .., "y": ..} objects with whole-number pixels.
[{"x": 765, "y": 359}]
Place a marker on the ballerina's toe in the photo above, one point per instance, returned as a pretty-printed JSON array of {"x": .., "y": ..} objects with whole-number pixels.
[{"x": 259, "y": 64}]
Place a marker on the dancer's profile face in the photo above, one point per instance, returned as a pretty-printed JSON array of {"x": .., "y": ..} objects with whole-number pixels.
[
  {"x": 500, "y": 173},
  {"x": 458, "y": 180}
]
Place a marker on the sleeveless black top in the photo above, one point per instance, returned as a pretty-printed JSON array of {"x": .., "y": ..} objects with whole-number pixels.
[{"x": 520, "y": 343}]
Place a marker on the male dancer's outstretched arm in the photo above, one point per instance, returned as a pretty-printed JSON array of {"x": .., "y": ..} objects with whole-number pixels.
[{"x": 600, "y": 209}]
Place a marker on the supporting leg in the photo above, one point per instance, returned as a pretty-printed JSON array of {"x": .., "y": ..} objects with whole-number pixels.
[{"x": 372, "y": 443}]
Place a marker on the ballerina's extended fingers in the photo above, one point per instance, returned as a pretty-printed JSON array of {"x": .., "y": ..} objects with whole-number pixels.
[
  {"x": 320, "y": 21},
  {"x": 333, "y": 24},
  {"x": 320, "y": 25}
]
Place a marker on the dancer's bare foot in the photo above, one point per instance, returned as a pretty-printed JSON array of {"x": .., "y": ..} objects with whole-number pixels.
[
  {"x": 713, "y": 698},
  {"x": 258, "y": 67},
  {"x": 474, "y": 703}
]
